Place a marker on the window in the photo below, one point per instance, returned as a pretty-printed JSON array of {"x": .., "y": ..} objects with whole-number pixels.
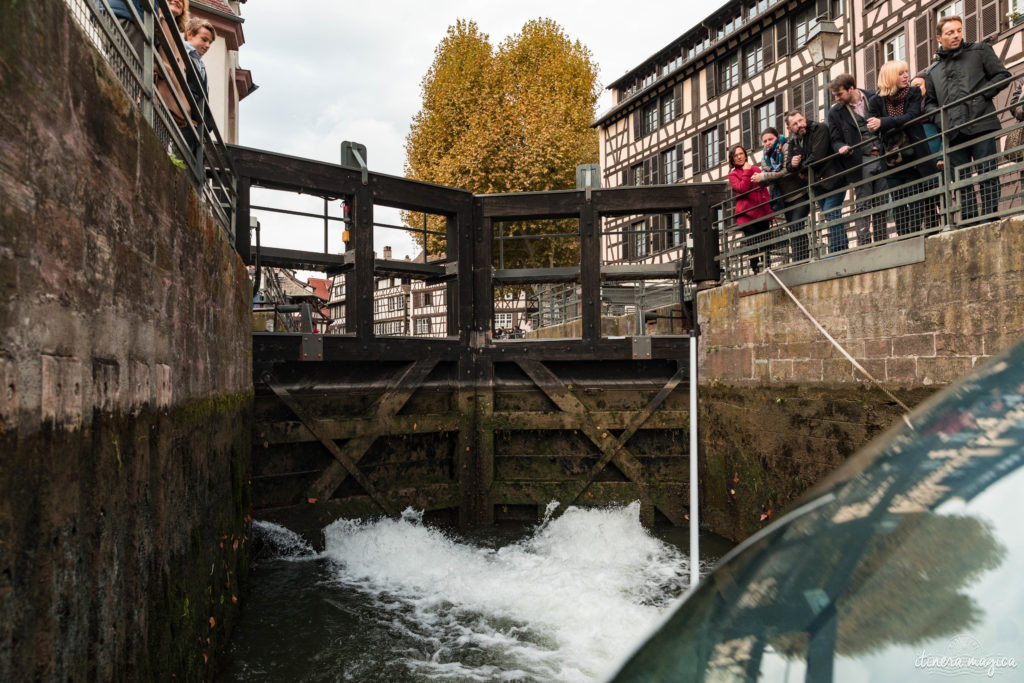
[
  {"x": 956, "y": 7},
  {"x": 729, "y": 72},
  {"x": 896, "y": 47},
  {"x": 765, "y": 116},
  {"x": 668, "y": 108},
  {"x": 802, "y": 25},
  {"x": 422, "y": 325},
  {"x": 638, "y": 240},
  {"x": 424, "y": 299},
  {"x": 672, "y": 226},
  {"x": 712, "y": 152},
  {"x": 753, "y": 59},
  {"x": 636, "y": 175},
  {"x": 803, "y": 97},
  {"x": 649, "y": 118},
  {"x": 503, "y": 320},
  {"x": 670, "y": 164}
]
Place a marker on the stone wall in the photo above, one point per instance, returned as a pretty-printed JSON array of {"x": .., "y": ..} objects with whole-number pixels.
[
  {"x": 780, "y": 407},
  {"x": 126, "y": 403}
]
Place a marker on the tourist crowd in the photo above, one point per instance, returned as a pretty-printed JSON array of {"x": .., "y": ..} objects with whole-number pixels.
[{"x": 883, "y": 144}]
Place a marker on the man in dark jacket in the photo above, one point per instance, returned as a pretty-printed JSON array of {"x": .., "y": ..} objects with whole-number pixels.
[
  {"x": 970, "y": 75},
  {"x": 811, "y": 157},
  {"x": 847, "y": 127}
]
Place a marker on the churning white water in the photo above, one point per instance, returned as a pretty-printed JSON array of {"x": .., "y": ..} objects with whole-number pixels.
[{"x": 567, "y": 603}]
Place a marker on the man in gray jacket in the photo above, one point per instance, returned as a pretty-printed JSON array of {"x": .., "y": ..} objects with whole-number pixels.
[{"x": 970, "y": 75}]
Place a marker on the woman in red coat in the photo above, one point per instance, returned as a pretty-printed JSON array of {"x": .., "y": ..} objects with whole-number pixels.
[{"x": 753, "y": 202}]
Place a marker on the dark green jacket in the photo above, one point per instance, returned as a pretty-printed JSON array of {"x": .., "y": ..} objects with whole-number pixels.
[{"x": 971, "y": 73}]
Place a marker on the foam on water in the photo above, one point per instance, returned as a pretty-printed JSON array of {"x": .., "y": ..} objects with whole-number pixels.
[
  {"x": 279, "y": 542},
  {"x": 566, "y": 604}
]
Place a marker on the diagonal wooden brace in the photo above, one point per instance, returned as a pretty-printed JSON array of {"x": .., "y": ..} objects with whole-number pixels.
[
  {"x": 391, "y": 401},
  {"x": 612, "y": 449}
]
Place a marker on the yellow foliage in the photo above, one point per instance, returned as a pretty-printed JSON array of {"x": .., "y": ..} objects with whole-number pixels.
[{"x": 514, "y": 119}]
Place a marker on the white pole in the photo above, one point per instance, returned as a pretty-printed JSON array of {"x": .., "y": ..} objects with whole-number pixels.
[{"x": 694, "y": 526}]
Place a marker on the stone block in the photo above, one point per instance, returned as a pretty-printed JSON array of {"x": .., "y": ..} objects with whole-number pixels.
[
  {"x": 900, "y": 370},
  {"x": 729, "y": 363},
  {"x": 781, "y": 370},
  {"x": 139, "y": 385},
  {"x": 877, "y": 348},
  {"x": 61, "y": 396},
  {"x": 836, "y": 371},
  {"x": 921, "y": 345},
  {"x": 8, "y": 395},
  {"x": 106, "y": 384},
  {"x": 959, "y": 345},
  {"x": 875, "y": 366},
  {"x": 931, "y": 371},
  {"x": 164, "y": 390},
  {"x": 807, "y": 371}
]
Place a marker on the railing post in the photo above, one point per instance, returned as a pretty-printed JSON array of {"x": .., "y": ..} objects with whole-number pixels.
[
  {"x": 812, "y": 226},
  {"x": 947, "y": 174}
]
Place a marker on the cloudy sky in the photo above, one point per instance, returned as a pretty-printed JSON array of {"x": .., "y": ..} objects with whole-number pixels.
[{"x": 330, "y": 71}]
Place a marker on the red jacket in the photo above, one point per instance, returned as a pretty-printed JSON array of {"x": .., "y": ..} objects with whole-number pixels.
[{"x": 752, "y": 200}]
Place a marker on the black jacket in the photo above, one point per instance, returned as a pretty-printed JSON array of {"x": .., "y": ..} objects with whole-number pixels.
[
  {"x": 892, "y": 126},
  {"x": 815, "y": 151},
  {"x": 971, "y": 69},
  {"x": 843, "y": 131}
]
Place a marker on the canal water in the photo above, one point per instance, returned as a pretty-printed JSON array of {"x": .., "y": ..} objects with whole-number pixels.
[{"x": 396, "y": 600}]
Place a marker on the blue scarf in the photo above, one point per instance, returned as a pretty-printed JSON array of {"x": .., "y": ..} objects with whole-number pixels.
[{"x": 773, "y": 156}]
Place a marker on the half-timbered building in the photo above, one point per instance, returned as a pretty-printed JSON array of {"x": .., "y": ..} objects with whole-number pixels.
[{"x": 738, "y": 71}]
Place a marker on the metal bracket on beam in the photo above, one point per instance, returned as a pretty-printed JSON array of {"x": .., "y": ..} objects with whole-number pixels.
[
  {"x": 353, "y": 155},
  {"x": 641, "y": 348},
  {"x": 312, "y": 347}
]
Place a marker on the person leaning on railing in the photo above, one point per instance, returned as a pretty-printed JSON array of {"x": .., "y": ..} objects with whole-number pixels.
[
  {"x": 861, "y": 153},
  {"x": 894, "y": 112},
  {"x": 811, "y": 157},
  {"x": 753, "y": 201},
  {"x": 930, "y": 205},
  {"x": 967, "y": 76},
  {"x": 788, "y": 189}
]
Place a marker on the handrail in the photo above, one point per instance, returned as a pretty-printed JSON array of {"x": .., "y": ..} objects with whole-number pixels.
[
  {"x": 952, "y": 197},
  {"x": 199, "y": 147}
]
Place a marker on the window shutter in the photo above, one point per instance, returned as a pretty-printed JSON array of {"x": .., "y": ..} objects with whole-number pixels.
[
  {"x": 636, "y": 124},
  {"x": 721, "y": 142},
  {"x": 923, "y": 41},
  {"x": 798, "y": 97},
  {"x": 780, "y": 114},
  {"x": 746, "y": 134},
  {"x": 989, "y": 19},
  {"x": 870, "y": 71},
  {"x": 810, "y": 100},
  {"x": 655, "y": 170},
  {"x": 656, "y": 232},
  {"x": 625, "y": 178},
  {"x": 711, "y": 80},
  {"x": 768, "y": 46},
  {"x": 677, "y": 97},
  {"x": 782, "y": 38},
  {"x": 646, "y": 173},
  {"x": 679, "y": 162},
  {"x": 695, "y": 151},
  {"x": 971, "y": 21},
  {"x": 823, "y": 9}
]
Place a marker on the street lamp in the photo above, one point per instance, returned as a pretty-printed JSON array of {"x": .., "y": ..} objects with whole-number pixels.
[{"x": 823, "y": 42}]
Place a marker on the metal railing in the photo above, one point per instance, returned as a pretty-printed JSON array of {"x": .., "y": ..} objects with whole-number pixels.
[
  {"x": 944, "y": 197},
  {"x": 197, "y": 145}
]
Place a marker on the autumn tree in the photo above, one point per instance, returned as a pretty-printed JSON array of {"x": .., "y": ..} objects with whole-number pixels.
[{"x": 514, "y": 119}]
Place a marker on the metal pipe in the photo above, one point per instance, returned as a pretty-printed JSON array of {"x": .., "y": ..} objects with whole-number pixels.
[{"x": 694, "y": 510}]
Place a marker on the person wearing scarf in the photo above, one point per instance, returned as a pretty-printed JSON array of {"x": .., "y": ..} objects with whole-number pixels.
[
  {"x": 894, "y": 112},
  {"x": 788, "y": 190}
]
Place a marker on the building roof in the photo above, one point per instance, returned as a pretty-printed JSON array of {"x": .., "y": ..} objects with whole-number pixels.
[
  {"x": 321, "y": 287},
  {"x": 216, "y": 5},
  {"x": 693, "y": 34}
]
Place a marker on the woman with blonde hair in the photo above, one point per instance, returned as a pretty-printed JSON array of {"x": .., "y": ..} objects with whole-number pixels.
[{"x": 894, "y": 112}]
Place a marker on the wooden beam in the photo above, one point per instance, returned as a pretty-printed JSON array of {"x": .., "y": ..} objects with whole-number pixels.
[{"x": 344, "y": 458}]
